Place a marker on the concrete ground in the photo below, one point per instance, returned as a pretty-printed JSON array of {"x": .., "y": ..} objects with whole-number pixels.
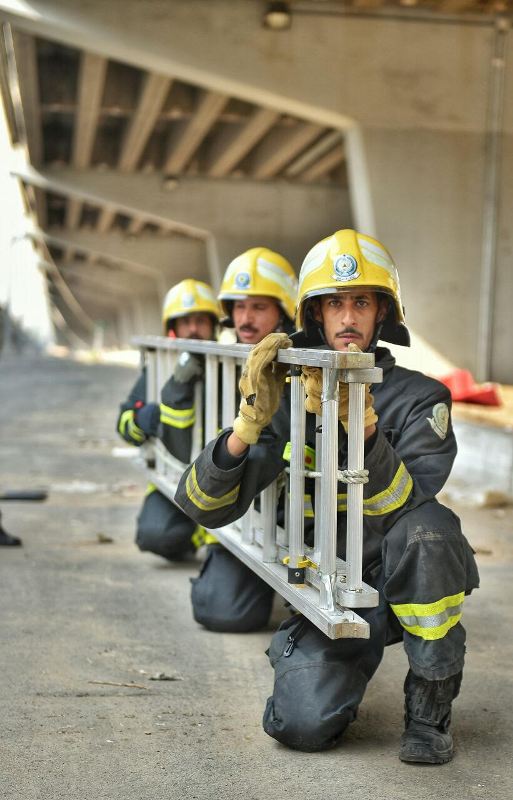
[{"x": 86, "y": 625}]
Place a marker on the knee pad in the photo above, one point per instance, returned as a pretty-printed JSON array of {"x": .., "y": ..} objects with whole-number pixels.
[{"x": 228, "y": 597}]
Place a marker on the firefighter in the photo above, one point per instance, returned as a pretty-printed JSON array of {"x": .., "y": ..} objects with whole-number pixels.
[
  {"x": 257, "y": 296},
  {"x": 414, "y": 552},
  {"x": 190, "y": 311}
]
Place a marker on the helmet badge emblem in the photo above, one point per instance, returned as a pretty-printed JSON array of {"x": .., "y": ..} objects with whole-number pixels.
[
  {"x": 345, "y": 268},
  {"x": 242, "y": 280},
  {"x": 188, "y": 300}
]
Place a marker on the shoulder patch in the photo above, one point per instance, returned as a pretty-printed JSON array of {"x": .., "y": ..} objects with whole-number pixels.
[{"x": 440, "y": 420}]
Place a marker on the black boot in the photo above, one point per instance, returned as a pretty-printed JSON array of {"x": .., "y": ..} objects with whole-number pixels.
[
  {"x": 426, "y": 738},
  {"x": 6, "y": 538}
]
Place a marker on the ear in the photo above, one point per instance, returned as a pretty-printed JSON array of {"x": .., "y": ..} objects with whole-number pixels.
[
  {"x": 315, "y": 311},
  {"x": 384, "y": 305}
]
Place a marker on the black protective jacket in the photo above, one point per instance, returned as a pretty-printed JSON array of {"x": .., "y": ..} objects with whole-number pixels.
[{"x": 409, "y": 459}]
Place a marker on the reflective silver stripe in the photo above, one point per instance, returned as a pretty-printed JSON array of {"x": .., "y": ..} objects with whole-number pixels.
[
  {"x": 391, "y": 498},
  {"x": 206, "y": 502},
  {"x": 435, "y": 621},
  {"x": 177, "y": 417}
]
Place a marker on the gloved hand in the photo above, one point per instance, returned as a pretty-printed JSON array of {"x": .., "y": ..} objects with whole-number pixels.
[
  {"x": 189, "y": 367},
  {"x": 147, "y": 417},
  {"x": 261, "y": 386},
  {"x": 312, "y": 381},
  {"x": 369, "y": 415}
]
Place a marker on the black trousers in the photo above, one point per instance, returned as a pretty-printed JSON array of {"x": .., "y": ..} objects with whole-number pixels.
[
  {"x": 319, "y": 683},
  {"x": 163, "y": 529}
]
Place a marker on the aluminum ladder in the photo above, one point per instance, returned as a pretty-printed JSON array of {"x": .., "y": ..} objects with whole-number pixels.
[{"x": 324, "y": 588}]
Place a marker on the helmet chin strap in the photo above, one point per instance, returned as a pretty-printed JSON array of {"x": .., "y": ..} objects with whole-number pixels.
[{"x": 374, "y": 341}]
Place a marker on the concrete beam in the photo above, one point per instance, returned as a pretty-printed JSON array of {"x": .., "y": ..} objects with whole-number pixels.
[
  {"x": 24, "y": 47},
  {"x": 68, "y": 297},
  {"x": 91, "y": 82},
  {"x": 91, "y": 187},
  {"x": 158, "y": 260},
  {"x": 118, "y": 281},
  {"x": 280, "y": 148},
  {"x": 230, "y": 150},
  {"x": 154, "y": 91},
  {"x": 324, "y": 165},
  {"x": 318, "y": 150},
  {"x": 182, "y": 148},
  {"x": 199, "y": 204}
]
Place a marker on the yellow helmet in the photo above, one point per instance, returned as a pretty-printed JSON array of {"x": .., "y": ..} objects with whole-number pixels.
[
  {"x": 343, "y": 261},
  {"x": 189, "y": 297},
  {"x": 259, "y": 271}
]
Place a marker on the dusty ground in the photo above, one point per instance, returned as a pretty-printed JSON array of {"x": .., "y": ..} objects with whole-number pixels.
[{"x": 79, "y": 619}]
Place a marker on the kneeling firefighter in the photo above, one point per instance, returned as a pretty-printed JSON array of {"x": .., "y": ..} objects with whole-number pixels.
[
  {"x": 414, "y": 551},
  {"x": 257, "y": 296},
  {"x": 190, "y": 311}
]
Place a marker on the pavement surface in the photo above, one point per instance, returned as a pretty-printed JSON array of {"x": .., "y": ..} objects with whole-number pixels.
[{"x": 88, "y": 625}]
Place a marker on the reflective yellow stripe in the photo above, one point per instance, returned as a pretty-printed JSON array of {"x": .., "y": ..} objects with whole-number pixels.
[
  {"x": 150, "y": 489},
  {"x": 309, "y": 455},
  {"x": 210, "y": 538},
  {"x": 391, "y": 498},
  {"x": 198, "y": 536},
  {"x": 430, "y": 620},
  {"x": 204, "y": 501},
  {"x": 177, "y": 417},
  {"x": 342, "y": 501},
  {"x": 123, "y": 421},
  {"x": 308, "y": 508},
  {"x": 127, "y": 426}
]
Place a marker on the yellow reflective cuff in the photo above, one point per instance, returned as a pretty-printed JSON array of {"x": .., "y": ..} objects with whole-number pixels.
[
  {"x": 177, "y": 417},
  {"x": 198, "y": 536},
  {"x": 127, "y": 426},
  {"x": 309, "y": 455},
  {"x": 124, "y": 419},
  {"x": 210, "y": 538},
  {"x": 150, "y": 489},
  {"x": 430, "y": 620},
  {"x": 204, "y": 501},
  {"x": 391, "y": 498}
]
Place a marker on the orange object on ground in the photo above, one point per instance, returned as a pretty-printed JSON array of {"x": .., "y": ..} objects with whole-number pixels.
[{"x": 464, "y": 389}]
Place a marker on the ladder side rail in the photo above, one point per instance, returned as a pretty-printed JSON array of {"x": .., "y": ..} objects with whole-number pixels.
[
  {"x": 229, "y": 367},
  {"x": 268, "y": 514},
  {"x": 151, "y": 375},
  {"x": 318, "y": 490},
  {"x": 329, "y": 485},
  {"x": 355, "y": 463},
  {"x": 161, "y": 376},
  {"x": 197, "y": 428},
  {"x": 211, "y": 410},
  {"x": 296, "y": 475}
]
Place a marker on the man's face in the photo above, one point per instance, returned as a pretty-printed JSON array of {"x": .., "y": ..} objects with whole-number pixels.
[
  {"x": 254, "y": 318},
  {"x": 197, "y": 325},
  {"x": 349, "y": 316}
]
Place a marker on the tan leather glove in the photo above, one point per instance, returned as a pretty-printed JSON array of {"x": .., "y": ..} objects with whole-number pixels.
[
  {"x": 261, "y": 386},
  {"x": 369, "y": 417},
  {"x": 312, "y": 381}
]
